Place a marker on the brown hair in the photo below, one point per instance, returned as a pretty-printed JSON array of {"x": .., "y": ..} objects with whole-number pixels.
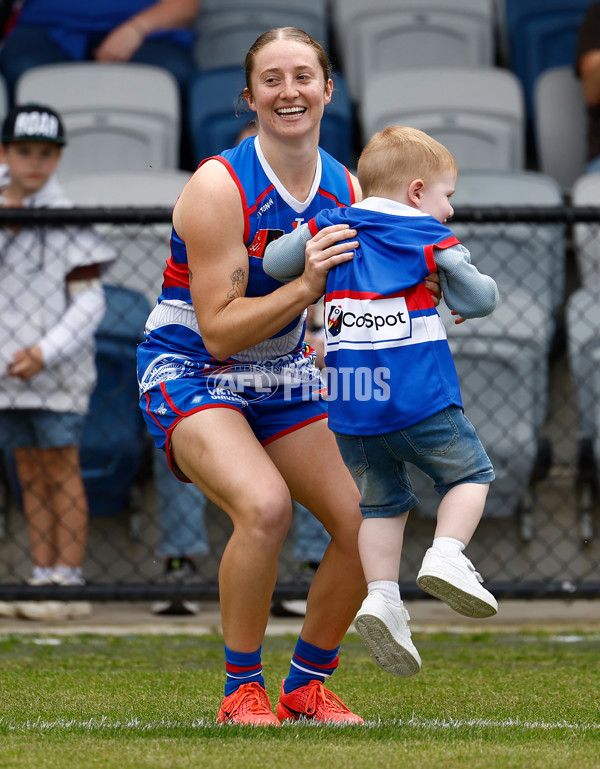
[
  {"x": 397, "y": 155},
  {"x": 285, "y": 33}
]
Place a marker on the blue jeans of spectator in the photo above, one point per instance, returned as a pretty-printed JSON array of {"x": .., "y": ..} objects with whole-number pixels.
[
  {"x": 181, "y": 508},
  {"x": 593, "y": 166},
  {"x": 311, "y": 538}
]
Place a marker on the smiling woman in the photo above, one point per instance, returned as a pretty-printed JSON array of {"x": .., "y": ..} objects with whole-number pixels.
[{"x": 249, "y": 450}]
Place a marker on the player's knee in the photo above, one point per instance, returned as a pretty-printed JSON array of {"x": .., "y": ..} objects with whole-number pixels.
[{"x": 268, "y": 520}]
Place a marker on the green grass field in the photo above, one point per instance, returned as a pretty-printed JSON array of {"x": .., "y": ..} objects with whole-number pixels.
[{"x": 487, "y": 701}]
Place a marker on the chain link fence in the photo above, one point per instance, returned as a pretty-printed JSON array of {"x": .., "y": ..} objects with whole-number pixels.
[{"x": 530, "y": 376}]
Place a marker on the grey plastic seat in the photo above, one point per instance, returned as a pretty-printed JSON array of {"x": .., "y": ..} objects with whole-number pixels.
[
  {"x": 517, "y": 254},
  {"x": 3, "y": 98},
  {"x": 497, "y": 383},
  {"x": 227, "y": 28},
  {"x": 142, "y": 251},
  {"x": 397, "y": 34},
  {"x": 586, "y": 192},
  {"x": 583, "y": 345},
  {"x": 477, "y": 113},
  {"x": 560, "y": 125},
  {"x": 517, "y": 319},
  {"x": 121, "y": 116},
  {"x": 502, "y": 365}
]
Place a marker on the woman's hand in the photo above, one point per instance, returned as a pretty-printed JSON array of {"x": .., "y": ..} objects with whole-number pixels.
[{"x": 331, "y": 246}]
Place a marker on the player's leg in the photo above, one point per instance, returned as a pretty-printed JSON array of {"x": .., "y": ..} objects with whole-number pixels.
[
  {"x": 218, "y": 451},
  {"x": 312, "y": 466}
]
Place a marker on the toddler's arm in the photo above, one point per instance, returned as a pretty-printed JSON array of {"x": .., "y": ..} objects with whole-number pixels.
[
  {"x": 284, "y": 258},
  {"x": 466, "y": 290}
]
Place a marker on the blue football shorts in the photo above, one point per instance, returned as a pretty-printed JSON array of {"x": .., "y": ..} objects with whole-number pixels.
[{"x": 276, "y": 396}]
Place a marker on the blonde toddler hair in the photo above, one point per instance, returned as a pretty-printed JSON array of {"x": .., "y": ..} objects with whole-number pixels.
[{"x": 395, "y": 156}]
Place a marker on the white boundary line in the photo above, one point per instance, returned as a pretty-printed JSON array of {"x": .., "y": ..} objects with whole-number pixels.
[{"x": 442, "y": 724}]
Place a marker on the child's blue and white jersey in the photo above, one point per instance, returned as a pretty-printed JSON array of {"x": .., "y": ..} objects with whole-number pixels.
[
  {"x": 269, "y": 212},
  {"x": 388, "y": 361}
]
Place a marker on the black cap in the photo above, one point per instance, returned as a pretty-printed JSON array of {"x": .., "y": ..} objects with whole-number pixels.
[{"x": 33, "y": 123}]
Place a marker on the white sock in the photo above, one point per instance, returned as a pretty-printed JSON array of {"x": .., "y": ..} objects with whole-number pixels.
[
  {"x": 449, "y": 546},
  {"x": 388, "y": 589},
  {"x": 42, "y": 572},
  {"x": 73, "y": 575}
]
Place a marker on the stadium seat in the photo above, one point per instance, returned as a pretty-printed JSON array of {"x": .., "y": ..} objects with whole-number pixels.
[
  {"x": 541, "y": 35},
  {"x": 117, "y": 116},
  {"x": 3, "y": 99},
  {"x": 401, "y": 34},
  {"x": 586, "y": 192},
  {"x": 227, "y": 28},
  {"x": 583, "y": 344},
  {"x": 516, "y": 254},
  {"x": 217, "y": 110},
  {"x": 142, "y": 251},
  {"x": 503, "y": 359},
  {"x": 477, "y": 113},
  {"x": 560, "y": 124},
  {"x": 501, "y": 362},
  {"x": 217, "y": 115}
]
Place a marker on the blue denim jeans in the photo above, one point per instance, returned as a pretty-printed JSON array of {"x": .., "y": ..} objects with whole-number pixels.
[
  {"x": 445, "y": 446},
  {"x": 181, "y": 508},
  {"x": 26, "y": 428},
  {"x": 310, "y": 536}
]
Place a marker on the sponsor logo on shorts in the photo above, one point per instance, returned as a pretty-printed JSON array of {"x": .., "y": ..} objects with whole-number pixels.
[{"x": 166, "y": 368}]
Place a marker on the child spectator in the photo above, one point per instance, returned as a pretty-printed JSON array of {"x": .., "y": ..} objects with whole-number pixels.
[
  {"x": 52, "y": 303},
  {"x": 382, "y": 326}
]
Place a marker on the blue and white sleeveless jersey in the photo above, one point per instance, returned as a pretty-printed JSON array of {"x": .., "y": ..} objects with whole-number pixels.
[
  {"x": 388, "y": 361},
  {"x": 269, "y": 212}
]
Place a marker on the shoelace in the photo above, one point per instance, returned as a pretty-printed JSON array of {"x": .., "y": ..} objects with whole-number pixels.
[
  {"x": 319, "y": 694},
  {"x": 253, "y": 696},
  {"x": 473, "y": 569}
]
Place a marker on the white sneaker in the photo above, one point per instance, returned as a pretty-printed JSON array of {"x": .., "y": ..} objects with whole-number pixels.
[
  {"x": 384, "y": 630},
  {"x": 43, "y": 611},
  {"x": 456, "y": 582},
  {"x": 8, "y": 609}
]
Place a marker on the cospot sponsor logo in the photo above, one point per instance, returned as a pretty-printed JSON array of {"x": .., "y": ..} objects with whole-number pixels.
[{"x": 363, "y": 323}]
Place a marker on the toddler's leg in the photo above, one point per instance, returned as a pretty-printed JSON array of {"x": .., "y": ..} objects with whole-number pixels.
[
  {"x": 382, "y": 621},
  {"x": 445, "y": 572}
]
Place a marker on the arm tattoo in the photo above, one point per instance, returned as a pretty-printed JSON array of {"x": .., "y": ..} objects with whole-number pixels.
[
  {"x": 190, "y": 276},
  {"x": 237, "y": 279}
]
